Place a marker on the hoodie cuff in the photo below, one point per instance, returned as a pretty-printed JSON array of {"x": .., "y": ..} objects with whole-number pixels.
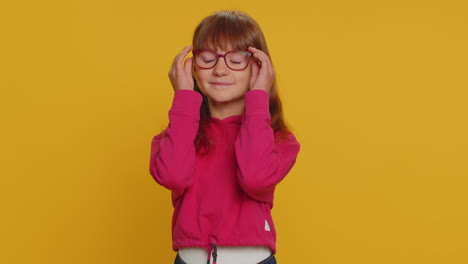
[
  {"x": 257, "y": 102},
  {"x": 186, "y": 102}
]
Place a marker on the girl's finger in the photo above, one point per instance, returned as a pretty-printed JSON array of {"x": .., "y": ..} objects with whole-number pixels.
[
  {"x": 259, "y": 53},
  {"x": 266, "y": 73},
  {"x": 175, "y": 60},
  {"x": 255, "y": 71},
  {"x": 261, "y": 56},
  {"x": 178, "y": 59},
  {"x": 183, "y": 53},
  {"x": 188, "y": 67}
]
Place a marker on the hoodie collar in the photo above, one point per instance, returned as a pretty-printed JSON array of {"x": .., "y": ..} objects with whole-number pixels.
[{"x": 235, "y": 119}]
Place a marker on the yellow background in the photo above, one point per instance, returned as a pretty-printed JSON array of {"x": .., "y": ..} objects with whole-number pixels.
[{"x": 376, "y": 92}]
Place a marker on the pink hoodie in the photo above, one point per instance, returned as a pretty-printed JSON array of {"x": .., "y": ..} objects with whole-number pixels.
[{"x": 224, "y": 197}]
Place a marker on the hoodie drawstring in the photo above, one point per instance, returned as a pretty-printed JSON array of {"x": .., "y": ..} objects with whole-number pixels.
[{"x": 215, "y": 254}]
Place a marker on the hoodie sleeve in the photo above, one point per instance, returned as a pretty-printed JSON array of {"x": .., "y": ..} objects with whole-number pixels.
[
  {"x": 263, "y": 160},
  {"x": 173, "y": 151}
]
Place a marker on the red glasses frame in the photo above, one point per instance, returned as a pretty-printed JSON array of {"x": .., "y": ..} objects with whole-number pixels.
[{"x": 194, "y": 52}]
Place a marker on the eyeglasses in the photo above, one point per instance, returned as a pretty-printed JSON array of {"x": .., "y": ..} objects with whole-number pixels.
[{"x": 236, "y": 60}]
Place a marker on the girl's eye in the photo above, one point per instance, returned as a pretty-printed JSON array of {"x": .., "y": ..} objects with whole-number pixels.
[
  {"x": 236, "y": 62},
  {"x": 208, "y": 61}
]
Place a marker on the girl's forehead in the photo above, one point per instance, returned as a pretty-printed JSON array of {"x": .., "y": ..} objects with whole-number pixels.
[{"x": 221, "y": 45}]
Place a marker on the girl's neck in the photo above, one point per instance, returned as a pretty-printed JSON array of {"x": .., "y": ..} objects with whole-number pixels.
[{"x": 223, "y": 110}]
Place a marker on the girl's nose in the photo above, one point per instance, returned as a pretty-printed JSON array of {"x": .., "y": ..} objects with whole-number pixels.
[{"x": 221, "y": 68}]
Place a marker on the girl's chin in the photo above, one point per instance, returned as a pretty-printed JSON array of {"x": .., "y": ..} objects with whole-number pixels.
[{"x": 225, "y": 99}]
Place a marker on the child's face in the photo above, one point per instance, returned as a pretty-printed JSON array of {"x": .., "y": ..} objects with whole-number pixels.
[{"x": 221, "y": 84}]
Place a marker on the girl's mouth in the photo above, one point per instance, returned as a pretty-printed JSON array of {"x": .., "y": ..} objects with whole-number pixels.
[{"x": 221, "y": 84}]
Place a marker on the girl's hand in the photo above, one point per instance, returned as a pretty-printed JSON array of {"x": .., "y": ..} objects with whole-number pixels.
[
  {"x": 181, "y": 75},
  {"x": 263, "y": 74}
]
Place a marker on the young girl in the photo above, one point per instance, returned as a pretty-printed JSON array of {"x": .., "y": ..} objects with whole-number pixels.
[{"x": 226, "y": 146}]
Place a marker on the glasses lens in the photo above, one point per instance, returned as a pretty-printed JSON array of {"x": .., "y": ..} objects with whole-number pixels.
[
  {"x": 206, "y": 59},
  {"x": 237, "y": 59}
]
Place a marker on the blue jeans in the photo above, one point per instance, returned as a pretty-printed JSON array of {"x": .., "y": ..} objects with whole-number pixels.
[{"x": 270, "y": 260}]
